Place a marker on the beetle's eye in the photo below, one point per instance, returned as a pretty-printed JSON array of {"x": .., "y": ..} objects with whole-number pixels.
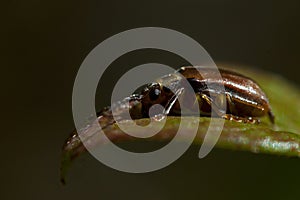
[{"x": 154, "y": 94}]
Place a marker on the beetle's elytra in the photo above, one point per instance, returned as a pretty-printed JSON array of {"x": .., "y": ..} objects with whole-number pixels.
[{"x": 245, "y": 101}]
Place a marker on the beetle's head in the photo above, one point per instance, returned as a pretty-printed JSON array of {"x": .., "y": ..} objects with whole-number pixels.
[{"x": 155, "y": 93}]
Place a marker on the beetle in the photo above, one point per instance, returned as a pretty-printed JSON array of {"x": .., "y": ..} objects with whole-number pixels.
[{"x": 245, "y": 101}]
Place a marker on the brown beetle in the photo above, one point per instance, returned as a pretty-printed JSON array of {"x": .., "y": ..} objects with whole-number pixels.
[{"x": 244, "y": 99}]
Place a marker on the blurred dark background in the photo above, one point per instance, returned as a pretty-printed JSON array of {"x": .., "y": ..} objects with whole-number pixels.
[{"x": 43, "y": 44}]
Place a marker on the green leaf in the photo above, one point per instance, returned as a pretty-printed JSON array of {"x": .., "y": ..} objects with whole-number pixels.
[{"x": 281, "y": 139}]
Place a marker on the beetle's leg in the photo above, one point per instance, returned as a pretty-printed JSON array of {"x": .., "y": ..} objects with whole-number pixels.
[
  {"x": 172, "y": 101},
  {"x": 169, "y": 105},
  {"x": 249, "y": 120},
  {"x": 230, "y": 103},
  {"x": 215, "y": 107},
  {"x": 231, "y": 117}
]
